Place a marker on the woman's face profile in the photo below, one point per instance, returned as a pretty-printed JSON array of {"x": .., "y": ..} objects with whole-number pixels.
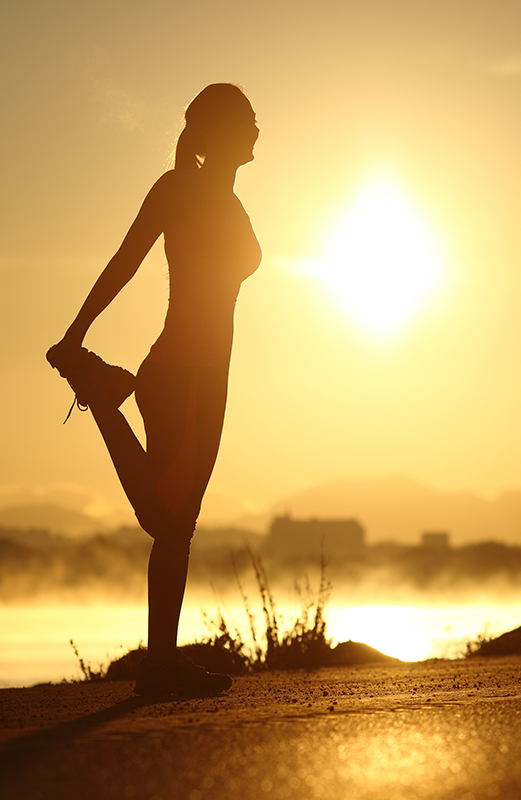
[
  {"x": 235, "y": 134},
  {"x": 245, "y": 135}
]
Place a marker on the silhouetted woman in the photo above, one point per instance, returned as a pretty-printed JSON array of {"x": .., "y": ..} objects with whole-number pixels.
[{"x": 181, "y": 385}]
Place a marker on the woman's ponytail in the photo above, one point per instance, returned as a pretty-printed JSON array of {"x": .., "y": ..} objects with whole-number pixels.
[{"x": 185, "y": 153}]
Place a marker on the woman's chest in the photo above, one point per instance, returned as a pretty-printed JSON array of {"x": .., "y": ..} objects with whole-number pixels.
[{"x": 207, "y": 235}]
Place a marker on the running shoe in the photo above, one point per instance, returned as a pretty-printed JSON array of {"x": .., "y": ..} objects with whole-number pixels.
[
  {"x": 179, "y": 676},
  {"x": 88, "y": 375}
]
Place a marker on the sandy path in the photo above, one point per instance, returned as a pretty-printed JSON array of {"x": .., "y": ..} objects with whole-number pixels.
[{"x": 428, "y": 730}]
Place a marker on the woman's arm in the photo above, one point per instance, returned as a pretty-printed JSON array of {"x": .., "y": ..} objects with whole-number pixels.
[{"x": 144, "y": 231}]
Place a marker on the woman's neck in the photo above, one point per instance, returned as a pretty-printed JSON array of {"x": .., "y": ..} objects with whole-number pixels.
[{"x": 220, "y": 175}]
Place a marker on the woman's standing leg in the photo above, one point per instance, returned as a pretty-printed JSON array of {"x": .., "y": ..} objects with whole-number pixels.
[
  {"x": 183, "y": 411},
  {"x": 167, "y": 575}
]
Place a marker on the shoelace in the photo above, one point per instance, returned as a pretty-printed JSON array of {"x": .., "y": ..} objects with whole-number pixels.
[{"x": 75, "y": 402}]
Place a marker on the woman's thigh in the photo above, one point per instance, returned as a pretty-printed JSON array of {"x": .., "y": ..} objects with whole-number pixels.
[{"x": 183, "y": 412}]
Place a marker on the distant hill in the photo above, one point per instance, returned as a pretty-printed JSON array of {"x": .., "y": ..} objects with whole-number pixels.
[
  {"x": 402, "y": 509},
  {"x": 53, "y": 518}
]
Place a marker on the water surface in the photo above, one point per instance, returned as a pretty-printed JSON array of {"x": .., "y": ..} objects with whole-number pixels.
[{"x": 34, "y": 639}]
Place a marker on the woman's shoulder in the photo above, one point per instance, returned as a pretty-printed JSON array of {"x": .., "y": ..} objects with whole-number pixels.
[
  {"x": 167, "y": 182},
  {"x": 174, "y": 184},
  {"x": 168, "y": 192}
]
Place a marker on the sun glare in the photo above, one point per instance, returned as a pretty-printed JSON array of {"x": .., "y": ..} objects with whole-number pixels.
[
  {"x": 398, "y": 631},
  {"x": 381, "y": 259}
]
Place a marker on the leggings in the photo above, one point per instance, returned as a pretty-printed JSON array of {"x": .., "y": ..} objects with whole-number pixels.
[{"x": 183, "y": 411}]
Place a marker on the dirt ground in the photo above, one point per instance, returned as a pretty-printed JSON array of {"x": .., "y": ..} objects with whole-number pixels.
[{"x": 436, "y": 729}]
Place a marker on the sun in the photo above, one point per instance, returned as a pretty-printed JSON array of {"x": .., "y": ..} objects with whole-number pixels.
[{"x": 381, "y": 259}]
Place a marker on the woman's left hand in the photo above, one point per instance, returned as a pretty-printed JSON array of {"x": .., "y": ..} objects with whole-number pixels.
[{"x": 60, "y": 356}]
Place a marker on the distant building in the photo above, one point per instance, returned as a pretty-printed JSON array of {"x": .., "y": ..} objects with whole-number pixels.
[
  {"x": 436, "y": 540},
  {"x": 304, "y": 539}
]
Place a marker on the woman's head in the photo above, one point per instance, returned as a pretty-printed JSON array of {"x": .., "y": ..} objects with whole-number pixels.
[{"x": 220, "y": 123}]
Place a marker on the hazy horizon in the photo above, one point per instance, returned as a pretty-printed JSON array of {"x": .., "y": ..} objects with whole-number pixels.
[{"x": 393, "y": 508}]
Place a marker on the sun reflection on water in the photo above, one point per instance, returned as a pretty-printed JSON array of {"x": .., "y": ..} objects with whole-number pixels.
[
  {"x": 398, "y": 631},
  {"x": 34, "y": 640},
  {"x": 414, "y": 633}
]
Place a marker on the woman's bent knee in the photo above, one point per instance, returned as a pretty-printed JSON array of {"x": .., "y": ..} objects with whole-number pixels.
[{"x": 163, "y": 526}]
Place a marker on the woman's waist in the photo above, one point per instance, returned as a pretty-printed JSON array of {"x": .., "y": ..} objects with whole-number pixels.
[
  {"x": 202, "y": 344},
  {"x": 210, "y": 316}
]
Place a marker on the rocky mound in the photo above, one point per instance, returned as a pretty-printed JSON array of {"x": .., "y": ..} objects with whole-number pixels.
[{"x": 507, "y": 644}]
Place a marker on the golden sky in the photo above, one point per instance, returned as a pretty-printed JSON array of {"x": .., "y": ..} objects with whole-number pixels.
[{"x": 425, "y": 94}]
